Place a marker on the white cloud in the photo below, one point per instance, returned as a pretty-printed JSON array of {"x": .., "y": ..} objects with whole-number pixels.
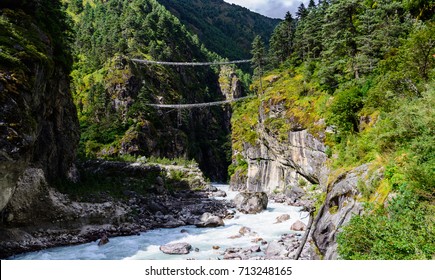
[{"x": 270, "y": 8}]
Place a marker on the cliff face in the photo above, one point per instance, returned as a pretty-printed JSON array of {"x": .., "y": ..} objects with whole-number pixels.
[
  {"x": 282, "y": 152},
  {"x": 341, "y": 203},
  {"x": 298, "y": 168},
  {"x": 38, "y": 120}
]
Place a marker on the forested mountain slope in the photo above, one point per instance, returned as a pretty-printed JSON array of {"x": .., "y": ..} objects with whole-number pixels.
[
  {"x": 111, "y": 92},
  {"x": 344, "y": 117},
  {"x": 224, "y": 28}
]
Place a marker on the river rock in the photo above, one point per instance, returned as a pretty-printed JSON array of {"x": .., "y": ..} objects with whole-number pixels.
[
  {"x": 219, "y": 194},
  {"x": 209, "y": 220},
  {"x": 256, "y": 240},
  {"x": 176, "y": 248},
  {"x": 276, "y": 250},
  {"x": 282, "y": 218},
  {"x": 251, "y": 203},
  {"x": 245, "y": 230},
  {"x": 210, "y": 188},
  {"x": 104, "y": 240},
  {"x": 255, "y": 249},
  {"x": 298, "y": 226}
]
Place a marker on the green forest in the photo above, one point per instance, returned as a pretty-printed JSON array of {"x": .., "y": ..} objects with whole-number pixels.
[
  {"x": 110, "y": 91},
  {"x": 359, "y": 75},
  {"x": 223, "y": 28},
  {"x": 367, "y": 68}
]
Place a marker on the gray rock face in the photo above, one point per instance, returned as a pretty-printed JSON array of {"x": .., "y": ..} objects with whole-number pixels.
[
  {"x": 176, "y": 249},
  {"x": 275, "y": 165},
  {"x": 209, "y": 220},
  {"x": 340, "y": 205},
  {"x": 35, "y": 203},
  {"x": 251, "y": 203}
]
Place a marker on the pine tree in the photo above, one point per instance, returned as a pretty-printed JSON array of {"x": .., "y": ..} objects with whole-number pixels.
[
  {"x": 308, "y": 38},
  {"x": 380, "y": 30},
  {"x": 258, "y": 57},
  {"x": 302, "y": 11},
  {"x": 281, "y": 42},
  {"x": 340, "y": 28}
]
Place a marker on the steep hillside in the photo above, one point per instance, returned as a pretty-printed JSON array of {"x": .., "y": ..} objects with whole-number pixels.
[
  {"x": 344, "y": 127},
  {"x": 38, "y": 120},
  {"x": 111, "y": 92},
  {"x": 226, "y": 29}
]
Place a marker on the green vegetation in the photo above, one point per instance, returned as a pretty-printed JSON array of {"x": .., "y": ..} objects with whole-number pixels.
[
  {"x": 364, "y": 70},
  {"x": 21, "y": 26},
  {"x": 223, "y": 28},
  {"x": 111, "y": 92},
  {"x": 403, "y": 231}
]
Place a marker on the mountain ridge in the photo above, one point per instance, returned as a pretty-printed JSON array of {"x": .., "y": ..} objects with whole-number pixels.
[{"x": 224, "y": 28}]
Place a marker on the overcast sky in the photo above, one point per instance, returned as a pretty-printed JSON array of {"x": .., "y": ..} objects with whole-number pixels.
[{"x": 271, "y": 8}]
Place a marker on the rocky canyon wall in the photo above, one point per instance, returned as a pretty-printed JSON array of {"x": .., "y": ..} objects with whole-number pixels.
[
  {"x": 38, "y": 120},
  {"x": 297, "y": 165}
]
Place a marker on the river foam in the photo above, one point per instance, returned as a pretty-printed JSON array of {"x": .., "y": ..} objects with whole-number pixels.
[{"x": 146, "y": 245}]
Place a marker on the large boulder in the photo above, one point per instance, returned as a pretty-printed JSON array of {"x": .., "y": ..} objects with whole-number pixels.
[
  {"x": 282, "y": 218},
  {"x": 251, "y": 203},
  {"x": 176, "y": 248},
  {"x": 298, "y": 226},
  {"x": 209, "y": 220}
]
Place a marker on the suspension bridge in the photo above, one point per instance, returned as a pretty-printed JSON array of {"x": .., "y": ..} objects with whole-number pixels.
[
  {"x": 195, "y": 105},
  {"x": 191, "y": 63}
]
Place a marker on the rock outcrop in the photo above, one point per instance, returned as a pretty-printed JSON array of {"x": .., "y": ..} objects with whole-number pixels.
[
  {"x": 342, "y": 202},
  {"x": 275, "y": 166},
  {"x": 291, "y": 166}
]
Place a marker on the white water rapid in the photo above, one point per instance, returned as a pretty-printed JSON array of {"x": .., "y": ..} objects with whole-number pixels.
[{"x": 146, "y": 245}]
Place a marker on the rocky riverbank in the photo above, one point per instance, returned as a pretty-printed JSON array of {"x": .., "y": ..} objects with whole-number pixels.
[{"x": 39, "y": 216}]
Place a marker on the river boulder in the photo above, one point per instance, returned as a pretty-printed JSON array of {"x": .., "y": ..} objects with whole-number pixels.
[
  {"x": 176, "y": 248},
  {"x": 298, "y": 226},
  {"x": 282, "y": 218},
  {"x": 104, "y": 240},
  {"x": 251, "y": 202},
  {"x": 209, "y": 220},
  {"x": 219, "y": 193}
]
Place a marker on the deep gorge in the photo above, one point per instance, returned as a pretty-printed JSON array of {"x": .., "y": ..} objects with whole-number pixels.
[{"x": 339, "y": 123}]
